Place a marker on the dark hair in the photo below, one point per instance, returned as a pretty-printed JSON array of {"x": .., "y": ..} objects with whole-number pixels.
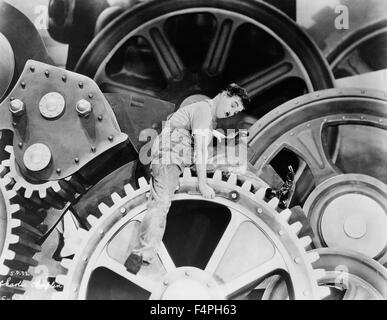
[{"x": 235, "y": 90}]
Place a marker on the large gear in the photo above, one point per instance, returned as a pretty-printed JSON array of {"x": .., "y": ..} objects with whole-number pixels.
[
  {"x": 349, "y": 276},
  {"x": 18, "y": 243},
  {"x": 250, "y": 216},
  {"x": 347, "y": 204}
]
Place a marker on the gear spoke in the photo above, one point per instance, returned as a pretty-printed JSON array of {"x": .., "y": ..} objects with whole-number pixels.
[
  {"x": 253, "y": 277},
  {"x": 107, "y": 262},
  {"x": 220, "y": 47},
  {"x": 272, "y": 76},
  {"x": 166, "y": 258},
  {"x": 224, "y": 243},
  {"x": 166, "y": 55}
]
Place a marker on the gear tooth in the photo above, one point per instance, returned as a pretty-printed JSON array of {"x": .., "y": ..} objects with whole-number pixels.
[
  {"x": 66, "y": 263},
  {"x": 128, "y": 189},
  {"x": 285, "y": 215},
  {"x": 233, "y": 179},
  {"x": 56, "y": 187},
  {"x": 247, "y": 186},
  {"x": 4, "y": 270},
  {"x": 28, "y": 193},
  {"x": 9, "y": 255},
  {"x": 9, "y": 149},
  {"x": 14, "y": 208},
  {"x": 7, "y": 180},
  {"x": 313, "y": 256},
  {"x": 274, "y": 203},
  {"x": 187, "y": 173},
  {"x": 61, "y": 279},
  {"x": 13, "y": 238},
  {"x": 306, "y": 241},
  {"x": 218, "y": 175},
  {"x": 2, "y": 170},
  {"x": 323, "y": 292},
  {"x": 42, "y": 193},
  {"x": 142, "y": 183},
  {"x": 103, "y": 208},
  {"x": 18, "y": 187},
  {"x": 296, "y": 227},
  {"x": 116, "y": 197},
  {"x": 6, "y": 163},
  {"x": 92, "y": 220},
  {"x": 319, "y": 273},
  {"x": 260, "y": 194},
  {"x": 15, "y": 223}
]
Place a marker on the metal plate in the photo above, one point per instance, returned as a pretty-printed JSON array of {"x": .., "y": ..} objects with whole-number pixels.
[
  {"x": 7, "y": 64},
  {"x": 73, "y": 140}
]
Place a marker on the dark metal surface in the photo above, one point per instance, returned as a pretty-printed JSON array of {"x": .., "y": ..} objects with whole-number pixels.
[
  {"x": 171, "y": 50},
  {"x": 69, "y": 137}
]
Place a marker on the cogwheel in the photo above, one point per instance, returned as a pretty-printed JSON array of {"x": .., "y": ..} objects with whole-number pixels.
[
  {"x": 49, "y": 194},
  {"x": 349, "y": 276},
  {"x": 222, "y": 251},
  {"x": 18, "y": 246}
]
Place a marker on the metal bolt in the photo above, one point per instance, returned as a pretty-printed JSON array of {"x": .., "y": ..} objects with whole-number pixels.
[
  {"x": 37, "y": 157},
  {"x": 259, "y": 210},
  {"x": 52, "y": 105},
  {"x": 84, "y": 108},
  {"x": 123, "y": 211},
  {"x": 234, "y": 195},
  {"x": 17, "y": 107}
]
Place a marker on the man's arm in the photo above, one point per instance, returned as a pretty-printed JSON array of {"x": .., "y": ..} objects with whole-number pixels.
[{"x": 202, "y": 139}]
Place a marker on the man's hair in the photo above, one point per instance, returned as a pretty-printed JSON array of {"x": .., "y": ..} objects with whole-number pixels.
[{"x": 235, "y": 90}]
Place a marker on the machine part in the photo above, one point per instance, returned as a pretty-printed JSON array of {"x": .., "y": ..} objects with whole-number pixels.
[
  {"x": 173, "y": 50},
  {"x": 362, "y": 51},
  {"x": 349, "y": 276},
  {"x": 349, "y": 197},
  {"x": 49, "y": 194},
  {"x": 25, "y": 45},
  {"x": 17, "y": 107},
  {"x": 18, "y": 243},
  {"x": 52, "y": 105},
  {"x": 7, "y": 65},
  {"x": 232, "y": 265},
  {"x": 93, "y": 137}
]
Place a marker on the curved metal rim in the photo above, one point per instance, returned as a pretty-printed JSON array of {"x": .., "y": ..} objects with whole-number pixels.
[{"x": 107, "y": 39}]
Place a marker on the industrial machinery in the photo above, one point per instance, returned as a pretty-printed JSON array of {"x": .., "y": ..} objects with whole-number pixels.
[{"x": 305, "y": 218}]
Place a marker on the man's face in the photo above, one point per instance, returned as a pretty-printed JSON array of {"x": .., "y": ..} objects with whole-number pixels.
[{"x": 228, "y": 106}]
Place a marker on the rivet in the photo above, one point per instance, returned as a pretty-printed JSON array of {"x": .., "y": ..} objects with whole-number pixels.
[
  {"x": 100, "y": 118},
  {"x": 165, "y": 283},
  {"x": 292, "y": 134},
  {"x": 259, "y": 210},
  {"x": 101, "y": 232},
  {"x": 91, "y": 95},
  {"x": 187, "y": 274},
  {"x": 362, "y": 117},
  {"x": 47, "y": 73},
  {"x": 343, "y": 117},
  {"x": 14, "y": 124},
  {"x": 296, "y": 103},
  {"x": 58, "y": 171},
  {"x": 93, "y": 149},
  {"x": 281, "y": 232},
  {"x": 123, "y": 211},
  {"x": 297, "y": 260},
  {"x": 23, "y": 84},
  {"x": 20, "y": 144},
  {"x": 80, "y": 84},
  {"x": 85, "y": 259},
  {"x": 64, "y": 78},
  {"x": 11, "y": 98},
  {"x": 325, "y": 120},
  {"x": 76, "y": 160},
  {"x": 317, "y": 95},
  {"x": 380, "y": 120},
  {"x": 32, "y": 68},
  {"x": 111, "y": 138},
  {"x": 308, "y": 125}
]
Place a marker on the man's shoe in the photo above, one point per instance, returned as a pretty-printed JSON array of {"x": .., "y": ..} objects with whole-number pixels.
[{"x": 133, "y": 263}]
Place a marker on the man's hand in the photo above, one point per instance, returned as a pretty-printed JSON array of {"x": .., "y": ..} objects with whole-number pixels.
[{"x": 206, "y": 191}]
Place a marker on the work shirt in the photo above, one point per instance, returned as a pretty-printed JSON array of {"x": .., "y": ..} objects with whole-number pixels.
[{"x": 175, "y": 144}]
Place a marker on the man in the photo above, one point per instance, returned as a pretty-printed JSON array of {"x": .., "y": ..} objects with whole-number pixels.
[{"x": 171, "y": 152}]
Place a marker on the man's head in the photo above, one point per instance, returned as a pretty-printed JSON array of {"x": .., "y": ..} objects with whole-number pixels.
[{"x": 231, "y": 101}]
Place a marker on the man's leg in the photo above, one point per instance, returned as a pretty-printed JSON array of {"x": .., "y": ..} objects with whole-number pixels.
[{"x": 165, "y": 180}]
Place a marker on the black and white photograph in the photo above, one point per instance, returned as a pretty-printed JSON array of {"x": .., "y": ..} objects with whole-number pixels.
[{"x": 203, "y": 150}]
